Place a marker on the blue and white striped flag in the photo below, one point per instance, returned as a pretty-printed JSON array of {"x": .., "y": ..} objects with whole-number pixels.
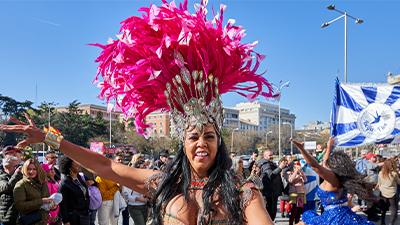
[{"x": 365, "y": 114}]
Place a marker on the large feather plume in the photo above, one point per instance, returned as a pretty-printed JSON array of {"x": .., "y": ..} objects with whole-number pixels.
[{"x": 137, "y": 65}]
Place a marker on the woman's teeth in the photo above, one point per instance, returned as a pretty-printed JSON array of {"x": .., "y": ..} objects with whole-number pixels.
[{"x": 202, "y": 154}]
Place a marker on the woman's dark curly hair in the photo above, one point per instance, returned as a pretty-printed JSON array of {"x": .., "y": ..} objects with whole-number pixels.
[
  {"x": 353, "y": 181},
  {"x": 220, "y": 177},
  {"x": 65, "y": 165}
]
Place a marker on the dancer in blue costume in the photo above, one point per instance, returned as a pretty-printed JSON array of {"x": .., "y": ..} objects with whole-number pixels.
[{"x": 340, "y": 177}]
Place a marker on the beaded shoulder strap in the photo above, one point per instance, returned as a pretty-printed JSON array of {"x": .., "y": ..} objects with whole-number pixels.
[
  {"x": 248, "y": 192},
  {"x": 152, "y": 183}
]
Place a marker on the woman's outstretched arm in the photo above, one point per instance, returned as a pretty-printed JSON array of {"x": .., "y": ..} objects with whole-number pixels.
[
  {"x": 127, "y": 176},
  {"x": 255, "y": 212},
  {"x": 322, "y": 171}
]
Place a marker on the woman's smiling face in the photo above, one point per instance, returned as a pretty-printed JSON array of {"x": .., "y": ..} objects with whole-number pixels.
[
  {"x": 201, "y": 149},
  {"x": 32, "y": 171}
]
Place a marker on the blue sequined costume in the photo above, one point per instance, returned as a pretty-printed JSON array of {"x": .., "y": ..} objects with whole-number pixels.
[{"x": 336, "y": 211}]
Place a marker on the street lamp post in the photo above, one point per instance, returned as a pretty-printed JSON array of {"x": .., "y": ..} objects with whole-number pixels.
[
  {"x": 233, "y": 131},
  {"x": 110, "y": 127},
  {"x": 281, "y": 85},
  {"x": 49, "y": 114},
  {"x": 291, "y": 136},
  {"x": 305, "y": 135},
  {"x": 266, "y": 138},
  {"x": 344, "y": 15}
]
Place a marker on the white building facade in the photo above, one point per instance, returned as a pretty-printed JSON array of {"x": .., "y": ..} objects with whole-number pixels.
[
  {"x": 231, "y": 118},
  {"x": 263, "y": 115}
]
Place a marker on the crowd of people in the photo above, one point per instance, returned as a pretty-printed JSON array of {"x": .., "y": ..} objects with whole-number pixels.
[
  {"x": 285, "y": 181},
  {"x": 30, "y": 191},
  {"x": 291, "y": 183},
  {"x": 294, "y": 182}
]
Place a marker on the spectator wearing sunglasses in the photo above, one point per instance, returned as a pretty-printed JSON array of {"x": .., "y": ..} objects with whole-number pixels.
[{"x": 51, "y": 158}]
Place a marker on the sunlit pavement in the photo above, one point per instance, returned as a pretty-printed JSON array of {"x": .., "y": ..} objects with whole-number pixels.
[
  {"x": 284, "y": 221},
  {"x": 281, "y": 221},
  {"x": 278, "y": 220}
]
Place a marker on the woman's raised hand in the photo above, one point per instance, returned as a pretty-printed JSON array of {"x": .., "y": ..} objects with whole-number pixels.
[
  {"x": 34, "y": 134},
  {"x": 330, "y": 143},
  {"x": 299, "y": 145},
  {"x": 329, "y": 146}
]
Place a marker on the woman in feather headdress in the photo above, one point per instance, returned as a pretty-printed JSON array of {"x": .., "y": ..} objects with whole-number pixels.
[{"x": 171, "y": 60}]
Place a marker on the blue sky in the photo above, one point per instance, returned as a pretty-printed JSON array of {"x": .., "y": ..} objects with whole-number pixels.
[{"x": 44, "y": 43}]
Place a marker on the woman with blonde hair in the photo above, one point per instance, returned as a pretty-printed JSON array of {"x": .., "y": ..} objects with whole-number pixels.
[
  {"x": 136, "y": 159},
  {"x": 31, "y": 193},
  {"x": 388, "y": 179}
]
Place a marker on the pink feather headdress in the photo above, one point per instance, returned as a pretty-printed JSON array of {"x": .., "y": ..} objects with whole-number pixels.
[{"x": 169, "y": 59}]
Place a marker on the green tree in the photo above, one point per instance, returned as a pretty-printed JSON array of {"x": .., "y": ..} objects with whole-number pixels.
[
  {"x": 226, "y": 136},
  {"x": 45, "y": 112},
  {"x": 11, "y": 107},
  {"x": 141, "y": 144},
  {"x": 118, "y": 133}
]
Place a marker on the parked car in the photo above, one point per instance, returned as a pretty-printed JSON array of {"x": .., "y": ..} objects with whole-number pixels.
[{"x": 245, "y": 159}]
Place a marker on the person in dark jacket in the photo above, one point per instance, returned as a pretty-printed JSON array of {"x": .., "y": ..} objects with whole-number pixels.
[
  {"x": 12, "y": 151},
  {"x": 9, "y": 176},
  {"x": 272, "y": 181},
  {"x": 74, "y": 208},
  {"x": 162, "y": 161}
]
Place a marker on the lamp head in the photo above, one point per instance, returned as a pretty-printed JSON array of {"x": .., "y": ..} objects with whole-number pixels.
[
  {"x": 325, "y": 25},
  {"x": 359, "y": 21},
  {"x": 331, "y": 7}
]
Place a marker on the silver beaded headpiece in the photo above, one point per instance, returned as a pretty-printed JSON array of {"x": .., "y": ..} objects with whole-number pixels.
[{"x": 194, "y": 101}]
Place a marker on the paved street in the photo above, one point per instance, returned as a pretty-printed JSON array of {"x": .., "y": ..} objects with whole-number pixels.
[
  {"x": 281, "y": 221},
  {"x": 278, "y": 220},
  {"x": 285, "y": 221}
]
